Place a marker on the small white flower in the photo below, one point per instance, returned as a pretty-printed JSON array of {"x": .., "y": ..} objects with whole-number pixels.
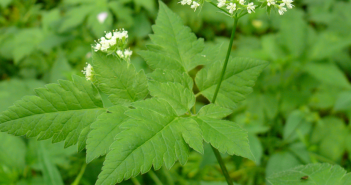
[
  {"x": 101, "y": 17},
  {"x": 88, "y": 71},
  {"x": 195, "y": 5},
  {"x": 124, "y": 34},
  {"x": 108, "y": 35},
  {"x": 288, "y": 3},
  {"x": 231, "y": 7},
  {"x": 117, "y": 35},
  {"x": 112, "y": 42},
  {"x": 221, "y": 3},
  {"x": 97, "y": 47},
  {"x": 128, "y": 53},
  {"x": 184, "y": 2},
  {"x": 105, "y": 44},
  {"x": 120, "y": 53},
  {"x": 251, "y": 7},
  {"x": 270, "y": 2},
  {"x": 281, "y": 9},
  {"x": 242, "y": 2}
]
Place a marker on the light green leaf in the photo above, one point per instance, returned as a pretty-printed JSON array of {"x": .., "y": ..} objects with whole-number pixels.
[
  {"x": 164, "y": 76},
  {"x": 119, "y": 79},
  {"x": 179, "y": 97},
  {"x": 237, "y": 83},
  {"x": 321, "y": 174},
  {"x": 330, "y": 135},
  {"x": 327, "y": 45},
  {"x": 147, "y": 4},
  {"x": 61, "y": 68},
  {"x": 5, "y": 3},
  {"x": 293, "y": 32},
  {"x": 153, "y": 135},
  {"x": 59, "y": 111},
  {"x": 296, "y": 125},
  {"x": 256, "y": 148},
  {"x": 174, "y": 46},
  {"x": 343, "y": 103},
  {"x": 12, "y": 155},
  {"x": 75, "y": 17},
  {"x": 329, "y": 74},
  {"x": 226, "y": 136},
  {"x": 26, "y": 41},
  {"x": 214, "y": 111},
  {"x": 95, "y": 25},
  {"x": 281, "y": 161},
  {"x": 50, "y": 172},
  {"x": 14, "y": 89},
  {"x": 104, "y": 130}
]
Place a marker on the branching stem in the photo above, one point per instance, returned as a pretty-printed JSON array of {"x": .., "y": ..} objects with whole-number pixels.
[{"x": 216, "y": 152}]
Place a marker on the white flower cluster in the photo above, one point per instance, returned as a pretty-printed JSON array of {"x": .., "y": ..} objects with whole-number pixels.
[
  {"x": 194, "y": 4},
  {"x": 88, "y": 72},
  {"x": 114, "y": 42},
  {"x": 281, "y": 7},
  {"x": 233, "y": 5}
]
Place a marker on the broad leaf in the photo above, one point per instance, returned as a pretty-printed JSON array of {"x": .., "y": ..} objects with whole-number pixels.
[
  {"x": 179, "y": 97},
  {"x": 237, "y": 83},
  {"x": 226, "y": 136},
  {"x": 174, "y": 46},
  {"x": 343, "y": 103},
  {"x": 329, "y": 74},
  {"x": 153, "y": 135},
  {"x": 61, "y": 111},
  {"x": 281, "y": 161},
  {"x": 119, "y": 79},
  {"x": 321, "y": 174},
  {"x": 296, "y": 125},
  {"x": 104, "y": 130},
  {"x": 50, "y": 172},
  {"x": 12, "y": 155}
]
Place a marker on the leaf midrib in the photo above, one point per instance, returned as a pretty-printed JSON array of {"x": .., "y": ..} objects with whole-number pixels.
[{"x": 99, "y": 108}]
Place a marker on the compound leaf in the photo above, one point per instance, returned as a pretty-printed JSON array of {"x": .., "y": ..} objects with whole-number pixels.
[
  {"x": 153, "y": 135},
  {"x": 237, "y": 83},
  {"x": 61, "y": 111}
]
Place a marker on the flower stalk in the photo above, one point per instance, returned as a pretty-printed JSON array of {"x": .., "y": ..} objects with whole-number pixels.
[{"x": 216, "y": 152}]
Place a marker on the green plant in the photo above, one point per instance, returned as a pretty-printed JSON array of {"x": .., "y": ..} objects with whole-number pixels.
[{"x": 142, "y": 120}]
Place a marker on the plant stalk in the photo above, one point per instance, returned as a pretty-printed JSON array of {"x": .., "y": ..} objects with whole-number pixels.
[
  {"x": 80, "y": 175},
  {"x": 216, "y": 152}
]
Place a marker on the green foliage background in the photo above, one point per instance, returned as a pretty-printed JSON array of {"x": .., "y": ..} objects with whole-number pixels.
[{"x": 299, "y": 112}]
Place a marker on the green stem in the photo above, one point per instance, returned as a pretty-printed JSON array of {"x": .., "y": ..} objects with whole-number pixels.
[
  {"x": 226, "y": 59},
  {"x": 135, "y": 181},
  {"x": 216, "y": 152},
  {"x": 80, "y": 175},
  {"x": 154, "y": 178}
]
